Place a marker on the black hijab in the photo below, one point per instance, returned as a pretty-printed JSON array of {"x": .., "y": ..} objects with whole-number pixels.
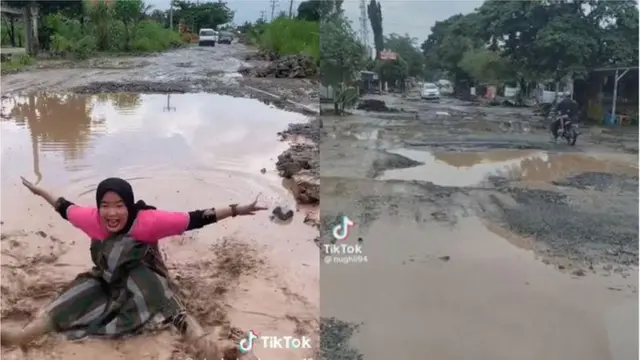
[{"x": 125, "y": 191}]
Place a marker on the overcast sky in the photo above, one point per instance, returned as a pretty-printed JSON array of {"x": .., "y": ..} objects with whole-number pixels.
[{"x": 414, "y": 17}]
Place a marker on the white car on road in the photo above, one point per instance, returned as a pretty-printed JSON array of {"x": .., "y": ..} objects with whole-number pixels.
[
  {"x": 207, "y": 37},
  {"x": 430, "y": 91}
]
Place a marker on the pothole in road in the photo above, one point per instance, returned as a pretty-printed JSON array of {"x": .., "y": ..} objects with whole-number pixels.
[
  {"x": 473, "y": 168},
  {"x": 181, "y": 152}
]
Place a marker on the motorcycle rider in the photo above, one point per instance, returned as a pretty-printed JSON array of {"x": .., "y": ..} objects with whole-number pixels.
[{"x": 567, "y": 109}]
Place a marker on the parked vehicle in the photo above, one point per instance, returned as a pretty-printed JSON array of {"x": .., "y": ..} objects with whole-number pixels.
[
  {"x": 207, "y": 37},
  {"x": 446, "y": 88},
  {"x": 369, "y": 82},
  {"x": 430, "y": 91},
  {"x": 225, "y": 37}
]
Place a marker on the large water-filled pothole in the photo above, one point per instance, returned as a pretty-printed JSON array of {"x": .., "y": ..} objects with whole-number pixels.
[
  {"x": 472, "y": 168},
  {"x": 181, "y": 152}
]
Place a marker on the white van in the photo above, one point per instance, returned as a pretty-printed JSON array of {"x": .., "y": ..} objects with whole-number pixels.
[{"x": 207, "y": 37}]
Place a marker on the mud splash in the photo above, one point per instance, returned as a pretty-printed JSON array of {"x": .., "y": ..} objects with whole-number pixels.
[{"x": 180, "y": 152}]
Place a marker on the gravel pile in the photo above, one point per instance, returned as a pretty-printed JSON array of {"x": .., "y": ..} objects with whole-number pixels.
[
  {"x": 335, "y": 336},
  {"x": 600, "y": 181},
  {"x": 569, "y": 227},
  {"x": 133, "y": 87},
  {"x": 310, "y": 130},
  {"x": 292, "y": 66}
]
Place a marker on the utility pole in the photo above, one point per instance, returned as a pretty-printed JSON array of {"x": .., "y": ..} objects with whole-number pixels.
[
  {"x": 274, "y": 3},
  {"x": 364, "y": 26},
  {"x": 290, "y": 9},
  {"x": 171, "y": 15},
  {"x": 263, "y": 15}
]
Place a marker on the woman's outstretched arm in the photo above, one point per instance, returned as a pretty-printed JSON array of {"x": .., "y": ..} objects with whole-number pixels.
[
  {"x": 83, "y": 218},
  {"x": 158, "y": 224},
  {"x": 36, "y": 190},
  {"x": 60, "y": 204}
]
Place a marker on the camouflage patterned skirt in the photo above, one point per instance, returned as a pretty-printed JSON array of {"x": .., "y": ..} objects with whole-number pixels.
[{"x": 127, "y": 291}]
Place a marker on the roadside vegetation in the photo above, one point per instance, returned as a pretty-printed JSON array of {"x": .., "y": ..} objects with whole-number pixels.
[
  {"x": 519, "y": 43},
  {"x": 285, "y": 35},
  {"x": 290, "y": 37},
  {"x": 82, "y": 29}
]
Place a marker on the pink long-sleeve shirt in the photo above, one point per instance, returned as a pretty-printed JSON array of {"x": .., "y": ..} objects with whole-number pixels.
[{"x": 149, "y": 226}]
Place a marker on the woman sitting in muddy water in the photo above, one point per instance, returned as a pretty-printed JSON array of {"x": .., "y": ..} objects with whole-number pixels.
[{"x": 128, "y": 290}]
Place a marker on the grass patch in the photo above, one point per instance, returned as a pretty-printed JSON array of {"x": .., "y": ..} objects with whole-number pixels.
[
  {"x": 291, "y": 37},
  {"x": 17, "y": 63}
]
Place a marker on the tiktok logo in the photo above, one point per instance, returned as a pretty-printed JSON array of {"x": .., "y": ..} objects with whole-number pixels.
[
  {"x": 341, "y": 231},
  {"x": 245, "y": 345}
]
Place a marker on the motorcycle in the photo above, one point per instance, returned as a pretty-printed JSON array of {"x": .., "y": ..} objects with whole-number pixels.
[{"x": 568, "y": 131}]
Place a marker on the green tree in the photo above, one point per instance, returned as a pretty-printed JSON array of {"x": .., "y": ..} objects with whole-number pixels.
[
  {"x": 245, "y": 27},
  {"x": 546, "y": 40},
  {"x": 375, "y": 17},
  {"x": 405, "y": 46},
  {"x": 314, "y": 10},
  {"x": 393, "y": 72},
  {"x": 340, "y": 52},
  {"x": 72, "y": 9},
  {"x": 309, "y": 10},
  {"x": 101, "y": 15},
  {"x": 159, "y": 16},
  {"x": 199, "y": 15},
  {"x": 486, "y": 66},
  {"x": 341, "y": 57},
  {"x": 446, "y": 45},
  {"x": 130, "y": 12}
]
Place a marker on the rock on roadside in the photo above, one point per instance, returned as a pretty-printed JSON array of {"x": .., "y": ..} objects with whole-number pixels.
[
  {"x": 292, "y": 66},
  {"x": 300, "y": 164},
  {"x": 311, "y": 130}
]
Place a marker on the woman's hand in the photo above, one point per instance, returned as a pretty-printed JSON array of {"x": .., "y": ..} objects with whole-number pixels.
[
  {"x": 33, "y": 188},
  {"x": 39, "y": 191},
  {"x": 250, "y": 209}
]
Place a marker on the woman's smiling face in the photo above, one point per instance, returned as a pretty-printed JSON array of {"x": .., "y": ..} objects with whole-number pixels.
[{"x": 113, "y": 212}]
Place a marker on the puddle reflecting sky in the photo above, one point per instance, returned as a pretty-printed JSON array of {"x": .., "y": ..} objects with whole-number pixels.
[
  {"x": 59, "y": 136},
  {"x": 472, "y": 168}
]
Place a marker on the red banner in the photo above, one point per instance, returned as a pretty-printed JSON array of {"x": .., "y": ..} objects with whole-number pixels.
[{"x": 388, "y": 55}]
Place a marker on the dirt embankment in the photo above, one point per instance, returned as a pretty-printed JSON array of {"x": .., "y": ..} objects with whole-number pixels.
[{"x": 300, "y": 166}]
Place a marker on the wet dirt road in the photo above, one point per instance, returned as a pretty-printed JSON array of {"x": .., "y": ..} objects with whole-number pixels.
[
  {"x": 181, "y": 152},
  {"x": 189, "y": 69},
  {"x": 483, "y": 239}
]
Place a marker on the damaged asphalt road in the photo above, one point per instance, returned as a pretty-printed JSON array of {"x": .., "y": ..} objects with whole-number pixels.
[
  {"x": 578, "y": 204},
  {"x": 186, "y": 70},
  {"x": 486, "y": 239}
]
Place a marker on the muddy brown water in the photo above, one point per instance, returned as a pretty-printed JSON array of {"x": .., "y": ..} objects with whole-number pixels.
[
  {"x": 466, "y": 293},
  {"x": 180, "y": 152},
  {"x": 472, "y": 168}
]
